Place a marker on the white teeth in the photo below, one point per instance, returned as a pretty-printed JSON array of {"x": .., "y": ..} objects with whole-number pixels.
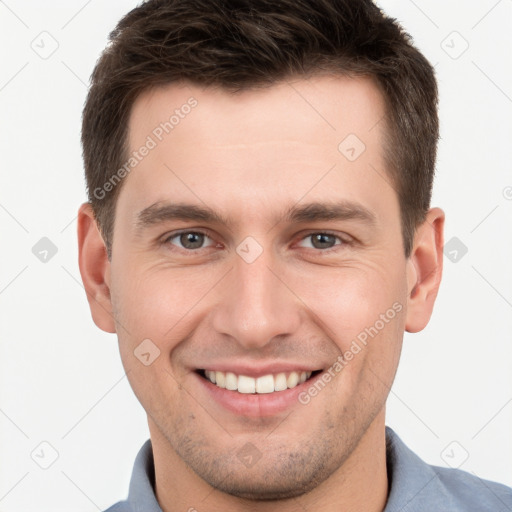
[
  {"x": 246, "y": 384},
  {"x": 220, "y": 379},
  {"x": 231, "y": 381},
  {"x": 264, "y": 384},
  {"x": 280, "y": 382},
  {"x": 292, "y": 380}
]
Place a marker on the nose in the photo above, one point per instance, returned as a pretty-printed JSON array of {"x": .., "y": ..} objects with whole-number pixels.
[{"x": 257, "y": 305}]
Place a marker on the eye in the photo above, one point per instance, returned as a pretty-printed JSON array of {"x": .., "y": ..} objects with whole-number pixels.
[
  {"x": 322, "y": 240},
  {"x": 189, "y": 240}
]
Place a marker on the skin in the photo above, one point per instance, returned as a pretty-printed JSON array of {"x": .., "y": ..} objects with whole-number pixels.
[{"x": 249, "y": 157}]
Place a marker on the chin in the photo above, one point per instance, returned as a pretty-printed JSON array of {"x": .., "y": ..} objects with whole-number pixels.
[{"x": 265, "y": 489}]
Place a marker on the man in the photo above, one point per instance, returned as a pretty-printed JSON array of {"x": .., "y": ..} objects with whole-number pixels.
[{"x": 259, "y": 236}]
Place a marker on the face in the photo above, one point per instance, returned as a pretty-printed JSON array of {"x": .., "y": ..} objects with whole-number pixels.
[{"x": 251, "y": 248}]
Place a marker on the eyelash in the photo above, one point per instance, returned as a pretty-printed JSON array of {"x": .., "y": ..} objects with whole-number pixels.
[{"x": 167, "y": 240}]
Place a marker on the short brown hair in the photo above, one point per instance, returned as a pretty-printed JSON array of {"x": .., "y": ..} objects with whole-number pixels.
[{"x": 244, "y": 44}]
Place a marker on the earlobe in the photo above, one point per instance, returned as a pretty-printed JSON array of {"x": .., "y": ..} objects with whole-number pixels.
[
  {"x": 94, "y": 269},
  {"x": 424, "y": 271}
]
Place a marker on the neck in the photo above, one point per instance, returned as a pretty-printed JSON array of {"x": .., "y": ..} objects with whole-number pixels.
[{"x": 360, "y": 484}]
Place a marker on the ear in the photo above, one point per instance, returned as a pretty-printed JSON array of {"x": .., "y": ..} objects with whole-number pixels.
[
  {"x": 94, "y": 269},
  {"x": 425, "y": 268}
]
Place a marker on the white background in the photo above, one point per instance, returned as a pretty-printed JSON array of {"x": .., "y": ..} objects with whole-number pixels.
[{"x": 61, "y": 378}]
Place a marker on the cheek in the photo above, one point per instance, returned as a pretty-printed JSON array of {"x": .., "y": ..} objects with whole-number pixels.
[
  {"x": 350, "y": 301},
  {"x": 158, "y": 303},
  {"x": 154, "y": 311},
  {"x": 362, "y": 311}
]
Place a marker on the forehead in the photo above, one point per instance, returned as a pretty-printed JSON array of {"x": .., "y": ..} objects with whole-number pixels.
[
  {"x": 331, "y": 105},
  {"x": 305, "y": 136}
]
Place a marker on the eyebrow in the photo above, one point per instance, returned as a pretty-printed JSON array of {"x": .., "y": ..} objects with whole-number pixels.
[
  {"x": 161, "y": 212},
  {"x": 342, "y": 210},
  {"x": 311, "y": 212}
]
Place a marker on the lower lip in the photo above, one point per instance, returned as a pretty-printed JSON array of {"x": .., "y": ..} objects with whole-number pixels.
[{"x": 256, "y": 405}]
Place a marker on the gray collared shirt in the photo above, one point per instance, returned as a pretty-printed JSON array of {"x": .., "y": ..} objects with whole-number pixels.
[{"x": 415, "y": 486}]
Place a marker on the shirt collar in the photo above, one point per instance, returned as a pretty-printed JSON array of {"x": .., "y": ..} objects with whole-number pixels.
[
  {"x": 413, "y": 484},
  {"x": 141, "y": 496}
]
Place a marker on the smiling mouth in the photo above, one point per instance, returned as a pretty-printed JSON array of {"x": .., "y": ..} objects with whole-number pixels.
[{"x": 265, "y": 384}]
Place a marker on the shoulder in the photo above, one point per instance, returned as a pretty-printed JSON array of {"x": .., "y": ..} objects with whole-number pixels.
[
  {"x": 121, "y": 506},
  {"x": 416, "y": 486},
  {"x": 467, "y": 491}
]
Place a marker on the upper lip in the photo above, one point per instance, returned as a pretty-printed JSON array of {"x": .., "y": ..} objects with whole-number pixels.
[{"x": 258, "y": 370}]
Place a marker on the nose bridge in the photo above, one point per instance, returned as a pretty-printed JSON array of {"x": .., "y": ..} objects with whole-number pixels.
[{"x": 256, "y": 306}]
